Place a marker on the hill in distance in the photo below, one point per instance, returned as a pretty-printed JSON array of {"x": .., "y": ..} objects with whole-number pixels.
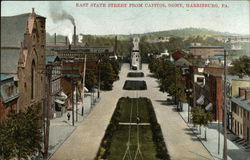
[{"x": 185, "y": 32}]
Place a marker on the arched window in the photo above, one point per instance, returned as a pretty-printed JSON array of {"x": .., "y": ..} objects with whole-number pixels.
[{"x": 33, "y": 79}]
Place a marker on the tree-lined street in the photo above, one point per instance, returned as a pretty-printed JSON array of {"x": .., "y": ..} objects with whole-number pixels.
[{"x": 85, "y": 140}]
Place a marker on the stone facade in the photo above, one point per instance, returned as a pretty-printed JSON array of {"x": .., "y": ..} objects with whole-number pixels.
[{"x": 26, "y": 42}]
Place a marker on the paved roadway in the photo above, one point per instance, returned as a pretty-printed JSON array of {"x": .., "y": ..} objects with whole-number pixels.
[{"x": 84, "y": 143}]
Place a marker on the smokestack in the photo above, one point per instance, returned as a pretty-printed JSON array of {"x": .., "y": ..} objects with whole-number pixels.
[
  {"x": 115, "y": 49},
  {"x": 55, "y": 39},
  {"x": 66, "y": 41},
  {"x": 74, "y": 35}
]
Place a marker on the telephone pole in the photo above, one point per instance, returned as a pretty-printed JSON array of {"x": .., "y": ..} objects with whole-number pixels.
[
  {"x": 72, "y": 97},
  {"x": 47, "y": 109},
  {"x": 83, "y": 83},
  {"x": 76, "y": 102},
  {"x": 225, "y": 108}
]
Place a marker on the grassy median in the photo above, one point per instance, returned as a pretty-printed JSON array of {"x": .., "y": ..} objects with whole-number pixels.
[
  {"x": 135, "y": 74},
  {"x": 114, "y": 143},
  {"x": 135, "y": 85}
]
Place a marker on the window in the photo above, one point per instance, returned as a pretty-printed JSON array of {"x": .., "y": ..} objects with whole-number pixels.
[{"x": 33, "y": 79}]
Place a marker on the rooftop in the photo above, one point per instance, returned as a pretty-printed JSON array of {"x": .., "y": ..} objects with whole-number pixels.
[
  {"x": 5, "y": 76},
  {"x": 206, "y": 47},
  {"x": 242, "y": 102}
]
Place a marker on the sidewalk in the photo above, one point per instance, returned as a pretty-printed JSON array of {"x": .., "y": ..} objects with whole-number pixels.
[
  {"x": 234, "y": 151},
  {"x": 61, "y": 128}
]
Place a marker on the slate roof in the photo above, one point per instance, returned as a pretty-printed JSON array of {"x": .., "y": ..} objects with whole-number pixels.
[
  {"x": 51, "y": 58},
  {"x": 12, "y": 34},
  {"x": 13, "y": 29},
  {"x": 9, "y": 60},
  {"x": 242, "y": 102}
]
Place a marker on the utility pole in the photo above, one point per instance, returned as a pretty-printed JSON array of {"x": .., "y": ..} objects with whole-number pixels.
[
  {"x": 76, "y": 102},
  {"x": 72, "y": 97},
  {"x": 99, "y": 80},
  {"x": 225, "y": 108},
  {"x": 83, "y": 83},
  {"x": 218, "y": 127},
  {"x": 47, "y": 109}
]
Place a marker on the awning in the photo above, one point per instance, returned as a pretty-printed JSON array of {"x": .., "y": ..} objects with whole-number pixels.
[
  {"x": 62, "y": 96},
  {"x": 59, "y": 101},
  {"x": 200, "y": 100},
  {"x": 86, "y": 89},
  {"x": 209, "y": 107}
]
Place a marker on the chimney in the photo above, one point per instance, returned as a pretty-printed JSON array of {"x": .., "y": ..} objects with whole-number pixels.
[
  {"x": 247, "y": 93},
  {"x": 74, "y": 36},
  {"x": 33, "y": 10},
  {"x": 66, "y": 41},
  {"x": 55, "y": 39},
  {"x": 241, "y": 91}
]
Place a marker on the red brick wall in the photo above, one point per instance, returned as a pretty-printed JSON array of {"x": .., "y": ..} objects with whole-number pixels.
[
  {"x": 216, "y": 93},
  {"x": 247, "y": 94},
  {"x": 241, "y": 92},
  {"x": 219, "y": 96}
]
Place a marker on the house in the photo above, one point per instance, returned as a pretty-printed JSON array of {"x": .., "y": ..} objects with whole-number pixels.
[
  {"x": 179, "y": 54},
  {"x": 8, "y": 96},
  {"x": 241, "y": 114},
  {"x": 23, "y": 56}
]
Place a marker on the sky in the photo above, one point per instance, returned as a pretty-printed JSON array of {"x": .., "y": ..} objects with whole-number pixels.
[{"x": 128, "y": 20}]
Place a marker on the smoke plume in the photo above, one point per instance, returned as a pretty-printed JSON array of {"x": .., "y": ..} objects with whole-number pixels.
[{"x": 58, "y": 14}]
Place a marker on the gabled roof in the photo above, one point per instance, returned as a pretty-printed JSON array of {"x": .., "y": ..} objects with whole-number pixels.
[{"x": 182, "y": 62}]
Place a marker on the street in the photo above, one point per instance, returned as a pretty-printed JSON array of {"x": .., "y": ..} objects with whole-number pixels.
[{"x": 84, "y": 142}]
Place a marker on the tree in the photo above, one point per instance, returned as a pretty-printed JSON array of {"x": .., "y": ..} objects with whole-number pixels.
[
  {"x": 201, "y": 117},
  {"x": 90, "y": 80},
  {"x": 21, "y": 135},
  {"x": 116, "y": 67},
  {"x": 107, "y": 74},
  {"x": 241, "y": 66}
]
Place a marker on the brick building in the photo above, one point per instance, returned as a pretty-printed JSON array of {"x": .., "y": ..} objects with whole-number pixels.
[
  {"x": 204, "y": 51},
  {"x": 23, "y": 56}
]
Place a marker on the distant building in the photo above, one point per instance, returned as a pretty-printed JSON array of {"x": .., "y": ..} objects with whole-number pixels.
[
  {"x": 233, "y": 39},
  {"x": 204, "y": 51},
  {"x": 8, "y": 96},
  {"x": 23, "y": 56}
]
